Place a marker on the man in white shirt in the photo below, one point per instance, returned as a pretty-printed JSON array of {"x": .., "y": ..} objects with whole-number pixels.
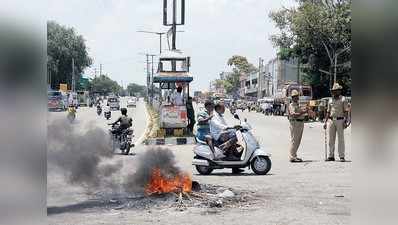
[
  {"x": 178, "y": 97},
  {"x": 219, "y": 131}
]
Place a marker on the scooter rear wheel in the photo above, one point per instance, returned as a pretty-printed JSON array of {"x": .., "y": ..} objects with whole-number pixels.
[
  {"x": 204, "y": 170},
  {"x": 261, "y": 165}
]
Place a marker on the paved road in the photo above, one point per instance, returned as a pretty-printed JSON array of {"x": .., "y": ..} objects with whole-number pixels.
[{"x": 313, "y": 192}]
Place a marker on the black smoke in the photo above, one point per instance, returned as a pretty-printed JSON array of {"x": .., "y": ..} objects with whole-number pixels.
[{"x": 82, "y": 155}]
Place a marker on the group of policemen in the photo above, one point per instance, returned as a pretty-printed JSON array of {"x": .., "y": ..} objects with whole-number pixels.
[{"x": 336, "y": 121}]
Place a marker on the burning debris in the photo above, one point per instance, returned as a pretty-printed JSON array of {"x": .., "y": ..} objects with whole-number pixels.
[
  {"x": 157, "y": 173},
  {"x": 210, "y": 198},
  {"x": 158, "y": 184}
]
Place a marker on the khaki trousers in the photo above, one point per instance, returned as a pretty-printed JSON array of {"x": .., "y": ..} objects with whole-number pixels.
[
  {"x": 336, "y": 126},
  {"x": 296, "y": 132}
]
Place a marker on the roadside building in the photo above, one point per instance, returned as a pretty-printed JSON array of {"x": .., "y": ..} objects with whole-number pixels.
[{"x": 280, "y": 73}]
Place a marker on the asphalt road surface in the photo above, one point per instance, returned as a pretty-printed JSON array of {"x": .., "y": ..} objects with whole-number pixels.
[{"x": 312, "y": 192}]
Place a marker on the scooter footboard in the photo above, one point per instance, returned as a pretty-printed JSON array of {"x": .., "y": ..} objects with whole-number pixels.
[{"x": 200, "y": 162}]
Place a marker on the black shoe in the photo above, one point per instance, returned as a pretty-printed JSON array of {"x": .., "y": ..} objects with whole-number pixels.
[
  {"x": 237, "y": 170},
  {"x": 329, "y": 159},
  {"x": 342, "y": 159},
  {"x": 296, "y": 160}
]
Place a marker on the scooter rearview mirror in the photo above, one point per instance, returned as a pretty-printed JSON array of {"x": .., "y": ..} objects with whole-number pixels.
[{"x": 236, "y": 116}]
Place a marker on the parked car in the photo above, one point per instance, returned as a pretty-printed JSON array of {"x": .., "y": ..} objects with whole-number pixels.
[
  {"x": 132, "y": 102},
  {"x": 113, "y": 103},
  {"x": 56, "y": 101}
]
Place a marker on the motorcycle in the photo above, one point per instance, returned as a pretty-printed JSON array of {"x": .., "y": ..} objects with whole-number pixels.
[
  {"x": 71, "y": 113},
  {"x": 122, "y": 140},
  {"x": 99, "y": 110},
  {"x": 107, "y": 115},
  {"x": 250, "y": 154}
]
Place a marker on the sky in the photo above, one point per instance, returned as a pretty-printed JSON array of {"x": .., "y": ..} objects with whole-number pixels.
[{"x": 214, "y": 31}]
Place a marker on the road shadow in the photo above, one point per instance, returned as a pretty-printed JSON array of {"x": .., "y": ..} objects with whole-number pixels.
[
  {"x": 53, "y": 210},
  {"x": 305, "y": 161},
  {"x": 130, "y": 154},
  {"x": 235, "y": 174},
  {"x": 104, "y": 203},
  {"x": 338, "y": 161}
]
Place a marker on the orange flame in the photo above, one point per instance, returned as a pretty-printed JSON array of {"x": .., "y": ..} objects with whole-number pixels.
[{"x": 159, "y": 184}]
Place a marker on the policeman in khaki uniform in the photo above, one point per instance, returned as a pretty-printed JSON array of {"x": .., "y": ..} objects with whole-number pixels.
[
  {"x": 296, "y": 119},
  {"x": 337, "y": 112}
]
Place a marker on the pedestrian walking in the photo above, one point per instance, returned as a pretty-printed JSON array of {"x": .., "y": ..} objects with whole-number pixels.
[
  {"x": 190, "y": 115},
  {"x": 336, "y": 121},
  {"x": 296, "y": 120}
]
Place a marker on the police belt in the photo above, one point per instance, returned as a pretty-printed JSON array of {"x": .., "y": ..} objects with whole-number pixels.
[
  {"x": 338, "y": 118},
  {"x": 298, "y": 120}
]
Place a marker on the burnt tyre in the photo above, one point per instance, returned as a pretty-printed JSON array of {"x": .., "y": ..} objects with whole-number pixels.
[
  {"x": 261, "y": 165},
  {"x": 204, "y": 170}
]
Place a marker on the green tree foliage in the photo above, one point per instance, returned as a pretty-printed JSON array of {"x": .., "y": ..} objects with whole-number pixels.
[
  {"x": 133, "y": 88},
  {"x": 63, "y": 44},
  {"x": 240, "y": 66},
  {"x": 104, "y": 85},
  {"x": 317, "y": 32}
]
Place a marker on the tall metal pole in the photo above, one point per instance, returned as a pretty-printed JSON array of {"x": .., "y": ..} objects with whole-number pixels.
[
  {"x": 152, "y": 87},
  {"x": 174, "y": 25},
  {"x": 260, "y": 80},
  {"x": 73, "y": 76},
  {"x": 147, "y": 73},
  {"x": 100, "y": 70},
  {"x": 160, "y": 42}
]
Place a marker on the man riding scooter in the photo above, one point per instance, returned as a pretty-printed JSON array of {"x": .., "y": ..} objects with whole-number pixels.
[{"x": 223, "y": 135}]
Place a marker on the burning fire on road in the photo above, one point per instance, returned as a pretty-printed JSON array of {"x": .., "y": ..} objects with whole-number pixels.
[{"x": 160, "y": 184}]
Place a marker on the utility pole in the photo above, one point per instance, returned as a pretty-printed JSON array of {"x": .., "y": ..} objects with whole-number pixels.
[
  {"x": 260, "y": 79},
  {"x": 174, "y": 25},
  {"x": 73, "y": 76},
  {"x": 100, "y": 69},
  {"x": 152, "y": 86},
  {"x": 148, "y": 77},
  {"x": 160, "y": 37}
]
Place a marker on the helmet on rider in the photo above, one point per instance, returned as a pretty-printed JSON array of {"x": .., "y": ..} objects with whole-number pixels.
[{"x": 124, "y": 111}]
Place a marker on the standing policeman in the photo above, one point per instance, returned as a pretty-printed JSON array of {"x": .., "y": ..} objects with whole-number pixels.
[
  {"x": 296, "y": 119},
  {"x": 337, "y": 112}
]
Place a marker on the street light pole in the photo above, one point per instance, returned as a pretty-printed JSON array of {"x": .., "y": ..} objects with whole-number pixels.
[{"x": 160, "y": 37}]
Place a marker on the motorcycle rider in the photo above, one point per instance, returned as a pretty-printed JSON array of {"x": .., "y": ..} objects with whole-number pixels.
[
  {"x": 221, "y": 133},
  {"x": 106, "y": 109},
  {"x": 124, "y": 121}
]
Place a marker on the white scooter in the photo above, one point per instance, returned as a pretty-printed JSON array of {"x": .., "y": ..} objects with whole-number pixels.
[{"x": 252, "y": 156}]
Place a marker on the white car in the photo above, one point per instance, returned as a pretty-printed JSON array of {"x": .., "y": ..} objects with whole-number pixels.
[{"x": 132, "y": 102}]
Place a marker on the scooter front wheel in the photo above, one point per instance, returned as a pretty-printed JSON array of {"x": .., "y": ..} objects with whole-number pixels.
[
  {"x": 204, "y": 170},
  {"x": 261, "y": 165}
]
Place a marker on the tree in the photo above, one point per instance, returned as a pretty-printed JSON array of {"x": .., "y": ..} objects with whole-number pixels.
[
  {"x": 103, "y": 84},
  {"x": 63, "y": 44},
  {"x": 133, "y": 89},
  {"x": 318, "y": 33},
  {"x": 240, "y": 67}
]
